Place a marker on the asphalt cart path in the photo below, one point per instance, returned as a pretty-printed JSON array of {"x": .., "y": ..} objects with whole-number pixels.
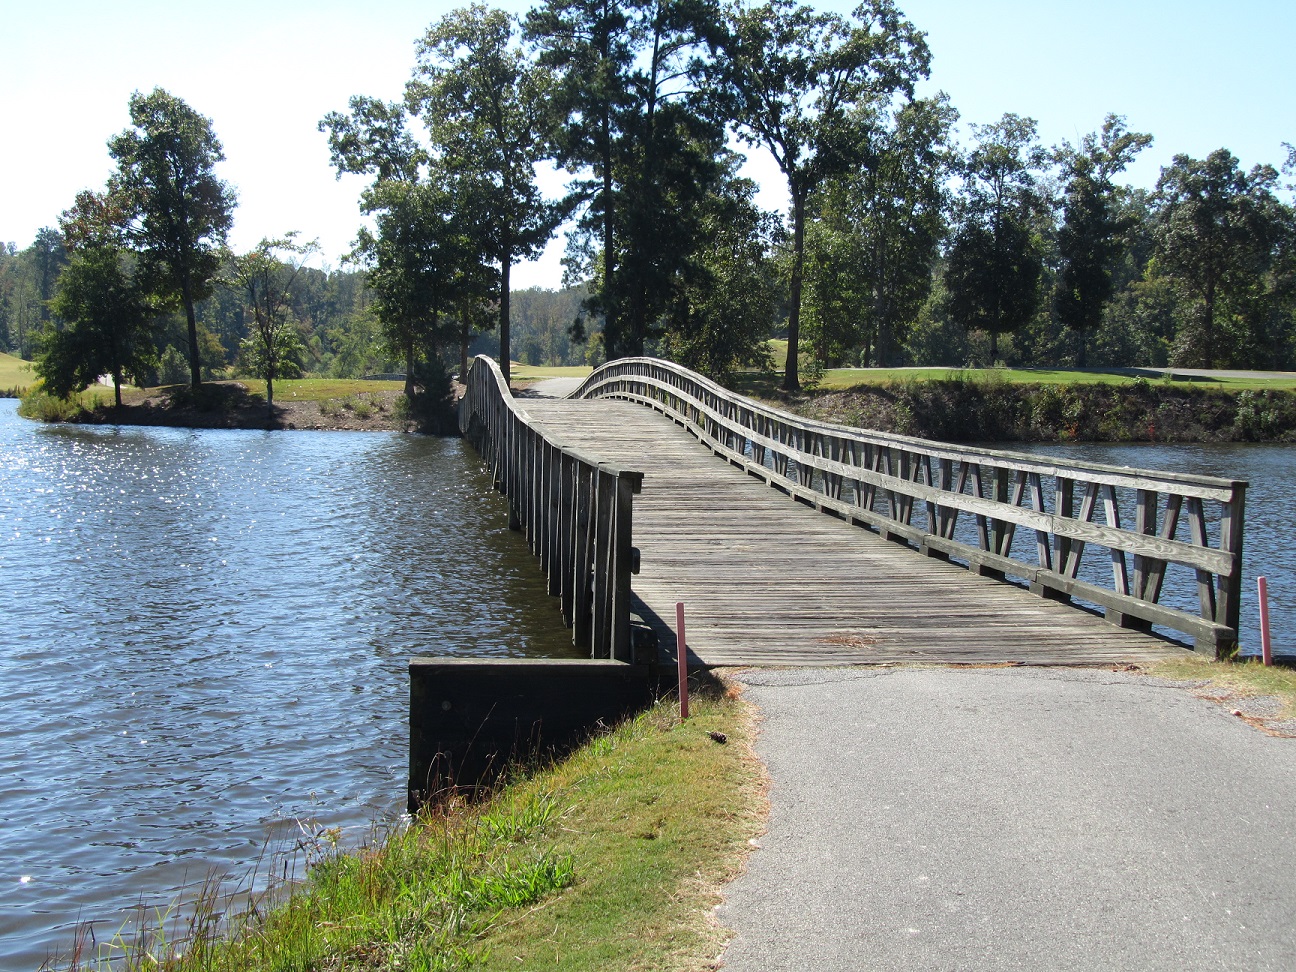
[{"x": 940, "y": 819}]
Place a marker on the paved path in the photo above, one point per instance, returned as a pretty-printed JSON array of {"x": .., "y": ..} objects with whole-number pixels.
[
  {"x": 1044, "y": 819},
  {"x": 551, "y": 388}
]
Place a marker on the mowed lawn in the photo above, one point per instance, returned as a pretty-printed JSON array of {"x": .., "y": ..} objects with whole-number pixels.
[
  {"x": 15, "y": 373},
  {"x": 841, "y": 379}
]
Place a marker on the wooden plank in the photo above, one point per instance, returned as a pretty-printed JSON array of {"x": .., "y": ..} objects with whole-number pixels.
[{"x": 771, "y": 581}]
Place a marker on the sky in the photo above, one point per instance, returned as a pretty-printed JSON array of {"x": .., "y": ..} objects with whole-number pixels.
[{"x": 1197, "y": 76}]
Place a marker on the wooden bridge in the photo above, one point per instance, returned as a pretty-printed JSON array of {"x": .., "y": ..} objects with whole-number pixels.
[{"x": 794, "y": 542}]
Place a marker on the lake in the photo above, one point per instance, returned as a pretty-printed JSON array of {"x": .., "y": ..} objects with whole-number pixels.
[{"x": 205, "y": 640}]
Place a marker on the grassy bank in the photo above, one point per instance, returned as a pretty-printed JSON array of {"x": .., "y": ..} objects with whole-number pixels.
[
  {"x": 1227, "y": 681},
  {"x": 308, "y": 403},
  {"x": 15, "y": 376},
  {"x": 610, "y": 860},
  {"x": 987, "y": 407}
]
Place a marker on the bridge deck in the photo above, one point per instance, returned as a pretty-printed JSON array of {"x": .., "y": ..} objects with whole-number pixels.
[{"x": 768, "y": 581}]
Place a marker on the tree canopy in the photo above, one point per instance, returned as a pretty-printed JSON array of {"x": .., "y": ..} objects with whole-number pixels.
[
  {"x": 108, "y": 325},
  {"x": 486, "y": 108},
  {"x": 798, "y": 79},
  {"x": 172, "y": 209}
]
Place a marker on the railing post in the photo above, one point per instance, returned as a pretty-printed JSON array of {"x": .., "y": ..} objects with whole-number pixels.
[
  {"x": 627, "y": 484},
  {"x": 583, "y": 569},
  {"x": 604, "y": 514},
  {"x": 1228, "y": 602}
]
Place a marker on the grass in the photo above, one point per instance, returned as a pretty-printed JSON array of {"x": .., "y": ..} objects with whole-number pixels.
[
  {"x": 609, "y": 860},
  {"x": 844, "y": 379},
  {"x": 15, "y": 374},
  {"x": 320, "y": 389},
  {"x": 1243, "y": 678},
  {"x": 521, "y": 372}
]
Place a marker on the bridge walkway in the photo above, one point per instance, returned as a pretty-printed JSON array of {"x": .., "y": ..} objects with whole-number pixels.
[{"x": 767, "y": 580}]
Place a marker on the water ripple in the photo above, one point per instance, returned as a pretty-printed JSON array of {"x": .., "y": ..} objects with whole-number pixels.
[{"x": 205, "y": 637}]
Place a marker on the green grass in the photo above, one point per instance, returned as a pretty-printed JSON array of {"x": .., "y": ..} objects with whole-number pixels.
[
  {"x": 610, "y": 860},
  {"x": 15, "y": 374},
  {"x": 521, "y": 372},
  {"x": 1243, "y": 678},
  {"x": 844, "y": 379},
  {"x": 320, "y": 389}
]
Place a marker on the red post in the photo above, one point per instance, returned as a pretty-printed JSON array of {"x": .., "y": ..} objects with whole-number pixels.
[
  {"x": 681, "y": 654},
  {"x": 1266, "y": 652}
]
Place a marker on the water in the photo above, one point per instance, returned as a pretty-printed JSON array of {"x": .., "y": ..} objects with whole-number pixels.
[
  {"x": 1270, "y": 519},
  {"x": 204, "y": 637}
]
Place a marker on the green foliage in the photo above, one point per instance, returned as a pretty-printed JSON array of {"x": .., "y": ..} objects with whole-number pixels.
[
  {"x": 876, "y": 233},
  {"x": 172, "y": 367},
  {"x": 38, "y": 404},
  {"x": 1091, "y": 237},
  {"x": 637, "y": 126},
  {"x": 486, "y": 106},
  {"x": 165, "y": 203},
  {"x": 721, "y": 317},
  {"x": 273, "y": 347},
  {"x": 108, "y": 325},
  {"x": 1219, "y": 231},
  {"x": 809, "y": 86},
  {"x": 995, "y": 262}
]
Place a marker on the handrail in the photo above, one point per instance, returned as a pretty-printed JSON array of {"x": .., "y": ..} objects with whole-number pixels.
[
  {"x": 576, "y": 510},
  {"x": 881, "y": 480}
]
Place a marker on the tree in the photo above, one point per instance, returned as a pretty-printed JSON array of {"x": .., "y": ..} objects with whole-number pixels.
[
  {"x": 875, "y": 233},
  {"x": 486, "y": 108},
  {"x": 1217, "y": 232},
  {"x": 174, "y": 211},
  {"x": 796, "y": 78},
  {"x": 590, "y": 45},
  {"x": 429, "y": 249},
  {"x": 420, "y": 265},
  {"x": 107, "y": 317},
  {"x": 994, "y": 265},
  {"x": 267, "y": 277},
  {"x": 50, "y": 257},
  {"x": 723, "y": 309},
  {"x": 639, "y": 120},
  {"x": 1091, "y": 238}
]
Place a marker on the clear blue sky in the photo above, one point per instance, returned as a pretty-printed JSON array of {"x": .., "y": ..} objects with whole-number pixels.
[{"x": 1197, "y": 76}]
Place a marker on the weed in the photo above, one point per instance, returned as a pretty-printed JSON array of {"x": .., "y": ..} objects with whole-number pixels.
[
  {"x": 547, "y": 864},
  {"x": 40, "y": 405}
]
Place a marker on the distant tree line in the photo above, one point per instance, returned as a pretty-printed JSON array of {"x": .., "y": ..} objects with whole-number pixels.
[{"x": 900, "y": 246}]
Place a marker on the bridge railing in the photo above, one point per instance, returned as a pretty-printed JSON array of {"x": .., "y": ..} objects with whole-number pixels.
[
  {"x": 917, "y": 491},
  {"x": 576, "y": 511}
]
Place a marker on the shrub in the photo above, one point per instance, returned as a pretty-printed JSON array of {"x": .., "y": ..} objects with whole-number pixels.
[{"x": 40, "y": 405}]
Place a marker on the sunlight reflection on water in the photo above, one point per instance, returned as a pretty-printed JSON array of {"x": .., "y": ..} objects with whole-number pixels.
[{"x": 205, "y": 638}]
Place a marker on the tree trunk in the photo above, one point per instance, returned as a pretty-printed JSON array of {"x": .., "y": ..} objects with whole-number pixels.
[
  {"x": 117, "y": 387},
  {"x": 269, "y": 394},
  {"x": 191, "y": 319},
  {"x": 464, "y": 334},
  {"x": 791, "y": 379},
  {"x": 505, "y": 352},
  {"x": 409, "y": 366},
  {"x": 1208, "y": 325}
]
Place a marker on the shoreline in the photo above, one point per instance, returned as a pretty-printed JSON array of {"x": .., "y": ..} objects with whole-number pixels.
[
  {"x": 231, "y": 405},
  {"x": 980, "y": 411},
  {"x": 956, "y": 411}
]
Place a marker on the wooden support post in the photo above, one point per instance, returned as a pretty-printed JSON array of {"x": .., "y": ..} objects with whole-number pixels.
[{"x": 1228, "y": 604}]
